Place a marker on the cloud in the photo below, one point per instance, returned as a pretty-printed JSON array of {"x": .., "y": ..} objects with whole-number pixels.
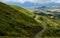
[
  {"x": 32, "y": 1},
  {"x": 56, "y": 1}
]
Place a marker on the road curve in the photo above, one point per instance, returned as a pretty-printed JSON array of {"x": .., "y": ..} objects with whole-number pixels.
[
  {"x": 44, "y": 28},
  {"x": 38, "y": 34}
]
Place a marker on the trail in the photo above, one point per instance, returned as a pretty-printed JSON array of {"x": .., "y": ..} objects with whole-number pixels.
[{"x": 44, "y": 28}]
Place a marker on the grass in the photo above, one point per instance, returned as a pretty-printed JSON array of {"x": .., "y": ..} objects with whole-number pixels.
[
  {"x": 24, "y": 11},
  {"x": 50, "y": 37},
  {"x": 16, "y": 23},
  {"x": 52, "y": 26}
]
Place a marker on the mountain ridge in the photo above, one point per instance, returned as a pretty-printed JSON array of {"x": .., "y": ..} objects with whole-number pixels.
[{"x": 16, "y": 23}]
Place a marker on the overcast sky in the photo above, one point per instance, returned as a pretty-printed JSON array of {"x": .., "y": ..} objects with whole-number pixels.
[{"x": 31, "y": 1}]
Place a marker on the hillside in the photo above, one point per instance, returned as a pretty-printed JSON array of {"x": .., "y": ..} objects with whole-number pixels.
[
  {"x": 50, "y": 22},
  {"x": 24, "y": 10},
  {"x": 51, "y": 26},
  {"x": 16, "y": 23}
]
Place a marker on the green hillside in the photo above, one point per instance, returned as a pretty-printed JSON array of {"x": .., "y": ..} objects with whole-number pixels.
[
  {"x": 52, "y": 27},
  {"x": 23, "y": 11},
  {"x": 16, "y": 23},
  {"x": 51, "y": 22}
]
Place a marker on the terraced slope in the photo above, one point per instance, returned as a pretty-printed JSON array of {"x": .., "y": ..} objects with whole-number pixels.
[{"x": 16, "y": 23}]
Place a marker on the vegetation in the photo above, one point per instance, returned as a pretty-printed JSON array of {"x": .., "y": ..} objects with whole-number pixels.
[
  {"x": 16, "y": 23},
  {"x": 52, "y": 26},
  {"x": 24, "y": 11}
]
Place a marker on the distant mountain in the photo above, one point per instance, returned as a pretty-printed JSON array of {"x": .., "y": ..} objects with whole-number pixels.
[
  {"x": 45, "y": 9},
  {"x": 53, "y": 10}
]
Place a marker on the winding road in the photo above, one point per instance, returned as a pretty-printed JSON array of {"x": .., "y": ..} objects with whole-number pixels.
[{"x": 44, "y": 28}]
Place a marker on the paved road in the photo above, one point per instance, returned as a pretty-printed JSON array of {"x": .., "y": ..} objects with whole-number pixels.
[
  {"x": 44, "y": 28},
  {"x": 38, "y": 34}
]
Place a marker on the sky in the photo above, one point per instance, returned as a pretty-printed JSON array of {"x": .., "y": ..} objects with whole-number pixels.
[{"x": 32, "y": 3}]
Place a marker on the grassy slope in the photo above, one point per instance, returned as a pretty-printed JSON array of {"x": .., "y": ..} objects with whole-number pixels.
[
  {"x": 24, "y": 11},
  {"x": 17, "y": 23},
  {"x": 52, "y": 26}
]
